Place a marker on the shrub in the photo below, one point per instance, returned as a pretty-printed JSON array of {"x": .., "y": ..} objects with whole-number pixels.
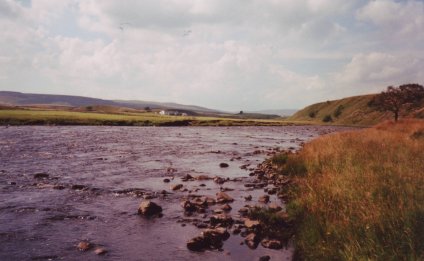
[
  {"x": 338, "y": 111},
  {"x": 327, "y": 118},
  {"x": 279, "y": 159},
  {"x": 312, "y": 114}
]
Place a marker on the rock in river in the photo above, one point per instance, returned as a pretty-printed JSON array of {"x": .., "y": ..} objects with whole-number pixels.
[
  {"x": 264, "y": 258},
  {"x": 84, "y": 246},
  {"x": 251, "y": 224},
  {"x": 271, "y": 243},
  {"x": 41, "y": 175},
  {"x": 222, "y": 197},
  {"x": 100, "y": 251},
  {"x": 222, "y": 220},
  {"x": 252, "y": 240},
  {"x": 148, "y": 208},
  {"x": 209, "y": 239},
  {"x": 177, "y": 187},
  {"x": 224, "y": 165},
  {"x": 264, "y": 199}
]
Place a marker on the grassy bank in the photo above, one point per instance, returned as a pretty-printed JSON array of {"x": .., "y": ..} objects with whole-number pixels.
[
  {"x": 59, "y": 117},
  {"x": 359, "y": 195}
]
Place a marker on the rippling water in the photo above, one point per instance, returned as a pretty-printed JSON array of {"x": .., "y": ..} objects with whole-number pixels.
[{"x": 97, "y": 176}]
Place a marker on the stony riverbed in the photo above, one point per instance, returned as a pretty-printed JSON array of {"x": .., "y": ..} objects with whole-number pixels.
[{"x": 61, "y": 186}]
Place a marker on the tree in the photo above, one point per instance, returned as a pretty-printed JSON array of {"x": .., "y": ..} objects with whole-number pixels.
[
  {"x": 147, "y": 108},
  {"x": 396, "y": 99},
  {"x": 241, "y": 112}
]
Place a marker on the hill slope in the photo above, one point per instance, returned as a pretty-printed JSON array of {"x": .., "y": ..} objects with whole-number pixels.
[
  {"x": 349, "y": 111},
  {"x": 26, "y": 99}
]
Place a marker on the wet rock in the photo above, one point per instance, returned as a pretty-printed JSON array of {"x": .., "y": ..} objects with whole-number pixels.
[
  {"x": 274, "y": 206},
  {"x": 203, "y": 177},
  {"x": 170, "y": 170},
  {"x": 41, "y": 175},
  {"x": 84, "y": 246},
  {"x": 187, "y": 177},
  {"x": 219, "y": 180},
  {"x": 59, "y": 187},
  {"x": 197, "y": 244},
  {"x": 222, "y": 197},
  {"x": 248, "y": 198},
  {"x": 100, "y": 251},
  {"x": 243, "y": 211},
  {"x": 148, "y": 208},
  {"x": 188, "y": 206},
  {"x": 223, "y": 189},
  {"x": 236, "y": 231},
  {"x": 264, "y": 258},
  {"x": 252, "y": 240},
  {"x": 148, "y": 196},
  {"x": 78, "y": 187},
  {"x": 223, "y": 165},
  {"x": 201, "y": 202},
  {"x": 177, "y": 187},
  {"x": 218, "y": 211},
  {"x": 11, "y": 183},
  {"x": 264, "y": 199},
  {"x": 202, "y": 185},
  {"x": 272, "y": 244},
  {"x": 272, "y": 191},
  {"x": 210, "y": 201},
  {"x": 244, "y": 166},
  {"x": 221, "y": 219},
  {"x": 226, "y": 207},
  {"x": 201, "y": 225},
  {"x": 166, "y": 180},
  {"x": 251, "y": 224},
  {"x": 209, "y": 239}
]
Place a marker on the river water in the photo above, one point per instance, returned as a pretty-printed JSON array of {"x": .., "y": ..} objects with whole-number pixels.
[{"x": 97, "y": 177}]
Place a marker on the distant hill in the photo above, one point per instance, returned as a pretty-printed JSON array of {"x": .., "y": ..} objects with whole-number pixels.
[
  {"x": 28, "y": 99},
  {"x": 349, "y": 111}
]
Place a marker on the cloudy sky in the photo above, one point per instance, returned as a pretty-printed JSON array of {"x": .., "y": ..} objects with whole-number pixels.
[{"x": 223, "y": 54}]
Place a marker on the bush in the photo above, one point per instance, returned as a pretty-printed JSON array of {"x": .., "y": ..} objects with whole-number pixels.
[
  {"x": 338, "y": 111},
  {"x": 327, "y": 118},
  {"x": 279, "y": 159},
  {"x": 312, "y": 114}
]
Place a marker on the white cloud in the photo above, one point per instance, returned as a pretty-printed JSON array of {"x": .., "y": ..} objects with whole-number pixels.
[
  {"x": 234, "y": 55},
  {"x": 397, "y": 21}
]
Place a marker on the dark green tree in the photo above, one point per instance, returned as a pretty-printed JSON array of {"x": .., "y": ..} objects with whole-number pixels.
[{"x": 397, "y": 99}]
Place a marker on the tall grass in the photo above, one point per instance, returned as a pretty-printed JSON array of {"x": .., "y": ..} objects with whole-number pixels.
[{"x": 360, "y": 195}]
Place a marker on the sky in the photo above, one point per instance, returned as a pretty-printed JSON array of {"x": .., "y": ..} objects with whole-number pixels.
[{"x": 222, "y": 54}]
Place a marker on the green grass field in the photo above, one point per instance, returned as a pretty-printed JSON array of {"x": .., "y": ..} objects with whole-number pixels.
[{"x": 62, "y": 117}]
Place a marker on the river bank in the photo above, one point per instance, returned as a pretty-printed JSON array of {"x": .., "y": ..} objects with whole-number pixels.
[{"x": 357, "y": 195}]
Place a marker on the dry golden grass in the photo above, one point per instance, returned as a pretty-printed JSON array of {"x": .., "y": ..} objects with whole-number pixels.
[{"x": 360, "y": 195}]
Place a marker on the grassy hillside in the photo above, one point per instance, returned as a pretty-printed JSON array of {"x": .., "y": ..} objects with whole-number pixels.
[
  {"x": 347, "y": 111},
  {"x": 29, "y": 99},
  {"x": 359, "y": 195}
]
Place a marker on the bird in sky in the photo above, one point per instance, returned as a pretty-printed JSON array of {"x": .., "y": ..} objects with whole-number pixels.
[
  {"x": 186, "y": 33},
  {"x": 123, "y": 25}
]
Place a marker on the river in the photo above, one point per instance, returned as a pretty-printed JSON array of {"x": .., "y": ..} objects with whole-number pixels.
[{"x": 94, "y": 178}]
